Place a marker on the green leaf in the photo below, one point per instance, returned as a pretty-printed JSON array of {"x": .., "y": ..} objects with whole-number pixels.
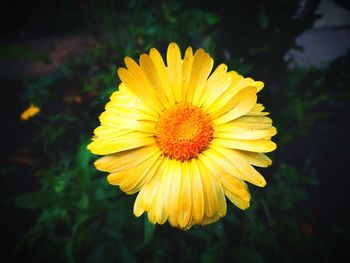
[
  {"x": 83, "y": 157},
  {"x": 246, "y": 254},
  {"x": 49, "y": 216},
  {"x": 36, "y": 200},
  {"x": 148, "y": 230},
  {"x": 126, "y": 255},
  {"x": 59, "y": 185},
  {"x": 212, "y": 254},
  {"x": 264, "y": 21},
  {"x": 212, "y": 19},
  {"x": 17, "y": 52},
  {"x": 84, "y": 201}
]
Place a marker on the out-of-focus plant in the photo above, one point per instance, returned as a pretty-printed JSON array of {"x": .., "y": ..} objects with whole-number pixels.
[{"x": 16, "y": 52}]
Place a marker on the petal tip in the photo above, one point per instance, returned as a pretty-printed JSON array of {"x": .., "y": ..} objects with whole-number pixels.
[{"x": 138, "y": 211}]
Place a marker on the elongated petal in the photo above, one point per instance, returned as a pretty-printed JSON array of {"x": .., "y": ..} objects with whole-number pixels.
[
  {"x": 202, "y": 66},
  {"x": 136, "y": 80},
  {"x": 257, "y": 159},
  {"x": 131, "y": 180},
  {"x": 248, "y": 134},
  {"x": 237, "y": 84},
  {"x": 126, "y": 159},
  {"x": 236, "y": 190},
  {"x": 145, "y": 201},
  {"x": 174, "y": 183},
  {"x": 186, "y": 72},
  {"x": 111, "y": 141},
  {"x": 257, "y": 110},
  {"x": 259, "y": 84},
  {"x": 218, "y": 83},
  {"x": 155, "y": 80},
  {"x": 197, "y": 193},
  {"x": 215, "y": 203},
  {"x": 245, "y": 123},
  {"x": 160, "y": 202},
  {"x": 162, "y": 74},
  {"x": 185, "y": 197},
  {"x": 125, "y": 98},
  {"x": 128, "y": 121},
  {"x": 260, "y": 146},
  {"x": 174, "y": 63},
  {"x": 233, "y": 163},
  {"x": 242, "y": 103}
]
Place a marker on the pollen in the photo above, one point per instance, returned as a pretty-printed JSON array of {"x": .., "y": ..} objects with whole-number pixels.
[{"x": 183, "y": 132}]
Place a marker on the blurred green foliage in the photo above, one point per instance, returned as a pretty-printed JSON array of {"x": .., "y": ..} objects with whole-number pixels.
[
  {"x": 80, "y": 218},
  {"x": 14, "y": 52}
]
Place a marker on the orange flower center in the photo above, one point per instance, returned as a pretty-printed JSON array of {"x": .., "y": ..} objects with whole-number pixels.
[{"x": 183, "y": 132}]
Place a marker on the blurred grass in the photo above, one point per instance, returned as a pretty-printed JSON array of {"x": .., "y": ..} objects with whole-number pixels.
[{"x": 80, "y": 218}]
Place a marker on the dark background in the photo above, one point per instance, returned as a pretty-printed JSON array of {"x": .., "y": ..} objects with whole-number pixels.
[{"x": 63, "y": 55}]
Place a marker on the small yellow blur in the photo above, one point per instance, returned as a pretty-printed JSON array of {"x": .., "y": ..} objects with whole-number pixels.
[{"x": 31, "y": 111}]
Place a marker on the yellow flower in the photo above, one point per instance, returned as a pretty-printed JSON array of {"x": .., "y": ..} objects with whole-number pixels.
[
  {"x": 183, "y": 137},
  {"x": 31, "y": 111}
]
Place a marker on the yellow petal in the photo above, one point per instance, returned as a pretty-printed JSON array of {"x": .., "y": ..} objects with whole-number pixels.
[
  {"x": 107, "y": 131},
  {"x": 248, "y": 134},
  {"x": 259, "y": 84},
  {"x": 126, "y": 159},
  {"x": 157, "y": 85},
  {"x": 257, "y": 159},
  {"x": 154, "y": 208},
  {"x": 125, "y": 98},
  {"x": 132, "y": 180},
  {"x": 197, "y": 193},
  {"x": 237, "y": 84},
  {"x": 257, "y": 110},
  {"x": 110, "y": 141},
  {"x": 174, "y": 64},
  {"x": 160, "y": 201},
  {"x": 245, "y": 123},
  {"x": 240, "y": 104},
  {"x": 146, "y": 197},
  {"x": 135, "y": 79},
  {"x": 172, "y": 189},
  {"x": 236, "y": 190},
  {"x": 162, "y": 74},
  {"x": 214, "y": 197},
  {"x": 243, "y": 83},
  {"x": 230, "y": 100},
  {"x": 201, "y": 68},
  {"x": 127, "y": 121},
  {"x": 261, "y": 146},
  {"x": 124, "y": 115},
  {"x": 130, "y": 107},
  {"x": 138, "y": 205},
  {"x": 186, "y": 72},
  {"x": 230, "y": 162},
  {"x": 258, "y": 107},
  {"x": 218, "y": 83},
  {"x": 185, "y": 198}
]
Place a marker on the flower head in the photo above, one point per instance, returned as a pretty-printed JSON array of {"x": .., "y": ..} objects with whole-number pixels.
[
  {"x": 31, "y": 111},
  {"x": 183, "y": 137}
]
